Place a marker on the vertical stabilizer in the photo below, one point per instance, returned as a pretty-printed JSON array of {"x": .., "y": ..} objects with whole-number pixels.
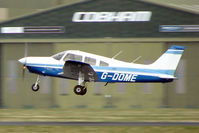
[{"x": 169, "y": 60}]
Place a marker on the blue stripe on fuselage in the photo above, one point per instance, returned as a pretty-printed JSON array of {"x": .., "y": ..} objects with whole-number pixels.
[
  {"x": 46, "y": 71},
  {"x": 124, "y": 69},
  {"x": 124, "y": 74},
  {"x": 98, "y": 68}
]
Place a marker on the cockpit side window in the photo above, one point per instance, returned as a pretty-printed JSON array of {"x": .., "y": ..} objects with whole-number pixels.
[
  {"x": 75, "y": 57},
  {"x": 90, "y": 60},
  {"x": 58, "y": 56},
  {"x": 102, "y": 63}
]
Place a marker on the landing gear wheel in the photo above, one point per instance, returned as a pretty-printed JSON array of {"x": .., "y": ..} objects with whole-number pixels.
[
  {"x": 35, "y": 88},
  {"x": 80, "y": 90},
  {"x": 84, "y": 90},
  {"x": 77, "y": 89}
]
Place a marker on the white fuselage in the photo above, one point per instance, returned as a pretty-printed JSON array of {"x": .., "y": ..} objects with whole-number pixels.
[{"x": 107, "y": 69}]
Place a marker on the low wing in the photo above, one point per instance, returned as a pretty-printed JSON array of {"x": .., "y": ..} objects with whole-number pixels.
[{"x": 72, "y": 69}]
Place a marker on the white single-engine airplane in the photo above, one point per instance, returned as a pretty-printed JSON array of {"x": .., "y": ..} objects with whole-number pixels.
[{"x": 85, "y": 67}]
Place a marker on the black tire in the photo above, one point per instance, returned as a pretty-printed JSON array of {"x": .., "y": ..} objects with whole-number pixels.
[
  {"x": 80, "y": 90},
  {"x": 35, "y": 88},
  {"x": 84, "y": 90}
]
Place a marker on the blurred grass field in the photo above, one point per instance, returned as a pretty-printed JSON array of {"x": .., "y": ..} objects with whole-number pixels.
[
  {"x": 106, "y": 129},
  {"x": 105, "y": 115}
]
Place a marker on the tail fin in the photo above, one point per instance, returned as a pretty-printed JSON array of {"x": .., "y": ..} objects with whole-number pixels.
[{"x": 169, "y": 60}]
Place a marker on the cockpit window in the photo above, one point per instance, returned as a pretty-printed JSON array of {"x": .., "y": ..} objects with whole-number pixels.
[
  {"x": 102, "y": 63},
  {"x": 90, "y": 60},
  {"x": 58, "y": 56},
  {"x": 75, "y": 57}
]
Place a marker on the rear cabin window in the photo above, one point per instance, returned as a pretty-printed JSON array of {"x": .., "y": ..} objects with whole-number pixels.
[
  {"x": 90, "y": 60},
  {"x": 102, "y": 63},
  {"x": 73, "y": 57}
]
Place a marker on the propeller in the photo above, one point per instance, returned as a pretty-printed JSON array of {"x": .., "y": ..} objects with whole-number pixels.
[
  {"x": 23, "y": 71},
  {"x": 25, "y": 59}
]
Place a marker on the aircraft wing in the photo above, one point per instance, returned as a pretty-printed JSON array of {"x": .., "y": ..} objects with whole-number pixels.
[{"x": 72, "y": 69}]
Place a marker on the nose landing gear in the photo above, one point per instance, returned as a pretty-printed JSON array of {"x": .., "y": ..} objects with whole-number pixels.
[{"x": 35, "y": 86}]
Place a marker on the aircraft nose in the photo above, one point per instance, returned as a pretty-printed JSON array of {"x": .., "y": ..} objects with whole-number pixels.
[{"x": 22, "y": 60}]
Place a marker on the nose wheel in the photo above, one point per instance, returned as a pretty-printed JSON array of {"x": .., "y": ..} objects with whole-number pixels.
[
  {"x": 35, "y": 86},
  {"x": 80, "y": 90}
]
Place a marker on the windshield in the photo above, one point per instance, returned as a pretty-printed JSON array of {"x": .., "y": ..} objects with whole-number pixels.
[{"x": 58, "y": 56}]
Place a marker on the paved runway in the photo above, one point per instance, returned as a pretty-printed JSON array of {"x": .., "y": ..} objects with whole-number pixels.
[{"x": 102, "y": 123}]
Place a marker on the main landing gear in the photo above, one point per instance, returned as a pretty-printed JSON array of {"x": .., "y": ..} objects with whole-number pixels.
[
  {"x": 80, "y": 89},
  {"x": 35, "y": 86}
]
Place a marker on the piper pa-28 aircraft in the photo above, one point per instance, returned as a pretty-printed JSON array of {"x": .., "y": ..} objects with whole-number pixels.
[{"x": 85, "y": 67}]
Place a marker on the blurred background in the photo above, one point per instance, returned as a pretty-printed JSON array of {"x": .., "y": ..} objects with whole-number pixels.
[{"x": 47, "y": 27}]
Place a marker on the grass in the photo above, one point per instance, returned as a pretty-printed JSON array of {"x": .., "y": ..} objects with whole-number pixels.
[
  {"x": 188, "y": 115},
  {"x": 106, "y": 115},
  {"x": 111, "y": 129}
]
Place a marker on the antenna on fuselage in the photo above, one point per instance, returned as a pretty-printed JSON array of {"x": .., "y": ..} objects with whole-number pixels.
[
  {"x": 117, "y": 54},
  {"x": 136, "y": 59}
]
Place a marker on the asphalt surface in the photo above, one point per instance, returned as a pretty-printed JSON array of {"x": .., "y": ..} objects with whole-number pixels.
[{"x": 101, "y": 123}]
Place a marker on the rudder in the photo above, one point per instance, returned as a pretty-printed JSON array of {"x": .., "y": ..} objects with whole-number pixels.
[{"x": 169, "y": 60}]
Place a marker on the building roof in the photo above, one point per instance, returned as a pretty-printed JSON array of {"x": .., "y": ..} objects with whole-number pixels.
[
  {"x": 191, "y": 6},
  {"x": 69, "y": 22}
]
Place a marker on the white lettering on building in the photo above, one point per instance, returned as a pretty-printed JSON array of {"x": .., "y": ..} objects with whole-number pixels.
[{"x": 112, "y": 16}]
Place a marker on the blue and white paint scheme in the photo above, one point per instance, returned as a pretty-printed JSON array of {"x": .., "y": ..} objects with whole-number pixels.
[{"x": 86, "y": 67}]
